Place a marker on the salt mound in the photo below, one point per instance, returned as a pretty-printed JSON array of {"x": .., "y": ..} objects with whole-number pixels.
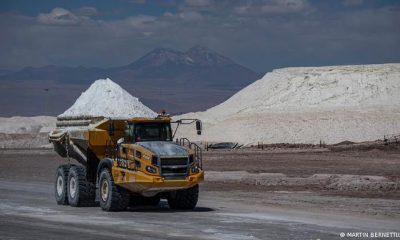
[
  {"x": 105, "y": 98},
  {"x": 27, "y": 125},
  {"x": 306, "y": 105},
  {"x": 315, "y": 89}
]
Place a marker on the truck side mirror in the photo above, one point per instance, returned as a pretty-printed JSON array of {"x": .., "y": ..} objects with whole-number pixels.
[
  {"x": 120, "y": 141},
  {"x": 198, "y": 127}
]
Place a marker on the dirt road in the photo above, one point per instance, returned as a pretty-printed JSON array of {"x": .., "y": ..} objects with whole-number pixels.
[{"x": 28, "y": 211}]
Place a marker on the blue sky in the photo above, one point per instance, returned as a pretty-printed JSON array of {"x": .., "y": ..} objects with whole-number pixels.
[{"x": 261, "y": 34}]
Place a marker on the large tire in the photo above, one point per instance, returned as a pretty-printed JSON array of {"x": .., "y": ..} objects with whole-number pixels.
[
  {"x": 111, "y": 196},
  {"x": 185, "y": 199},
  {"x": 144, "y": 201},
  {"x": 81, "y": 192},
  {"x": 60, "y": 185}
]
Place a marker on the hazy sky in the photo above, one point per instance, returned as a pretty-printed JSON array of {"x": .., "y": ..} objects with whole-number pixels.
[{"x": 258, "y": 34}]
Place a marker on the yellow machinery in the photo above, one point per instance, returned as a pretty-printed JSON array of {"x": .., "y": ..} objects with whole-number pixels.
[{"x": 126, "y": 161}]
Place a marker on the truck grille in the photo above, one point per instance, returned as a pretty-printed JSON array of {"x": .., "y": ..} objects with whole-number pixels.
[
  {"x": 173, "y": 171},
  {"x": 174, "y": 168},
  {"x": 174, "y": 161}
]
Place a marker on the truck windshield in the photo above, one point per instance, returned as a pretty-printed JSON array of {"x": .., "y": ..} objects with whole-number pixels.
[{"x": 152, "y": 132}]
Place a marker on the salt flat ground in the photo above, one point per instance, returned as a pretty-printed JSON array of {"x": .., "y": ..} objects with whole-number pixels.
[{"x": 226, "y": 210}]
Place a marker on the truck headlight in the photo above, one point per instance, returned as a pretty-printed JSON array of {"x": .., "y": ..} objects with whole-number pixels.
[
  {"x": 195, "y": 169},
  {"x": 151, "y": 169}
]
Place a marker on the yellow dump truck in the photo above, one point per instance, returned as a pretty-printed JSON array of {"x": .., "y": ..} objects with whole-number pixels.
[{"x": 126, "y": 161}]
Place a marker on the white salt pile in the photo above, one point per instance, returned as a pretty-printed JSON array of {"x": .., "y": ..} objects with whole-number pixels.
[
  {"x": 308, "y": 105},
  {"x": 25, "y": 132},
  {"x": 27, "y": 125},
  {"x": 105, "y": 98}
]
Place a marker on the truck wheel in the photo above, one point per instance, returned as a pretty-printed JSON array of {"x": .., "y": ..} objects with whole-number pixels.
[
  {"x": 184, "y": 199},
  {"x": 81, "y": 192},
  {"x": 60, "y": 185},
  {"x": 144, "y": 201},
  {"x": 111, "y": 196}
]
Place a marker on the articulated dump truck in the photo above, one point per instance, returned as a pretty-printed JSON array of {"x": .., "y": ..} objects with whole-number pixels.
[{"x": 125, "y": 162}]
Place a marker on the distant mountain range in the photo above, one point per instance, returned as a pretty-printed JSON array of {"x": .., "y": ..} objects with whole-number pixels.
[{"x": 163, "y": 78}]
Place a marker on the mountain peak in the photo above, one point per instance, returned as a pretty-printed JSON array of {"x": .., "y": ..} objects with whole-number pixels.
[
  {"x": 161, "y": 50},
  {"x": 175, "y": 61},
  {"x": 205, "y": 56},
  {"x": 159, "y": 56}
]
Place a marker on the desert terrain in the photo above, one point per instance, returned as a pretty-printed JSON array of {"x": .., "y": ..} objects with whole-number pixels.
[
  {"x": 274, "y": 193},
  {"x": 315, "y": 162}
]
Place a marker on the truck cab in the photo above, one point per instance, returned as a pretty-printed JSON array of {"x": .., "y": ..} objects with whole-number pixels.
[
  {"x": 152, "y": 142},
  {"x": 147, "y": 153}
]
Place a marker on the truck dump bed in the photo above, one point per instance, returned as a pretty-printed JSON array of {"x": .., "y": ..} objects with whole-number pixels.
[{"x": 75, "y": 137}]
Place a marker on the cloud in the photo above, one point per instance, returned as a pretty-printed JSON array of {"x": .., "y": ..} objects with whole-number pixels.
[
  {"x": 273, "y": 7},
  {"x": 191, "y": 16},
  {"x": 263, "y": 35},
  {"x": 285, "y": 6},
  {"x": 58, "y": 16},
  {"x": 140, "y": 21},
  {"x": 198, "y": 3},
  {"x": 138, "y": 1},
  {"x": 86, "y": 11},
  {"x": 348, "y": 3},
  {"x": 186, "y": 15}
]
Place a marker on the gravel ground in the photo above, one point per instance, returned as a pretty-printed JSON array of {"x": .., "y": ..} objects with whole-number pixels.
[
  {"x": 226, "y": 210},
  {"x": 306, "y": 162}
]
